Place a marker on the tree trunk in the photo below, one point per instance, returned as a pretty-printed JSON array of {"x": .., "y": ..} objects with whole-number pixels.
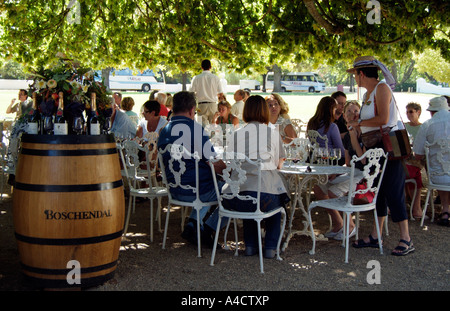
[
  {"x": 276, "y": 78},
  {"x": 264, "y": 82},
  {"x": 184, "y": 79},
  {"x": 105, "y": 76}
]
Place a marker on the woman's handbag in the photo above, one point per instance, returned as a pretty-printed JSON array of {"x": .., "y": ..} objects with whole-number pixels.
[
  {"x": 363, "y": 198},
  {"x": 395, "y": 143},
  {"x": 373, "y": 138}
]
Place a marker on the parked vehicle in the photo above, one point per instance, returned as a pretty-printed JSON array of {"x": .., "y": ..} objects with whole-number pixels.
[
  {"x": 298, "y": 81},
  {"x": 125, "y": 79},
  {"x": 249, "y": 84}
]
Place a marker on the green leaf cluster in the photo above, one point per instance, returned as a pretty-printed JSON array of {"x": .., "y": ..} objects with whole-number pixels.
[{"x": 247, "y": 35}]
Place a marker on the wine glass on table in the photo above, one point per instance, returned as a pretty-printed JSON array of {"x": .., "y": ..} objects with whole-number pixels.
[{"x": 337, "y": 154}]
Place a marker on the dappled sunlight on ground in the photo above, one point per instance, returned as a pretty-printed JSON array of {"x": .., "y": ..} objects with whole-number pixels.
[
  {"x": 303, "y": 266},
  {"x": 134, "y": 246}
]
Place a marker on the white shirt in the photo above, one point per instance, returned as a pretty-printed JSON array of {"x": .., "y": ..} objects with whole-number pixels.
[
  {"x": 206, "y": 86},
  {"x": 368, "y": 110},
  {"x": 143, "y": 124},
  {"x": 259, "y": 141},
  {"x": 436, "y": 127},
  {"x": 237, "y": 109}
]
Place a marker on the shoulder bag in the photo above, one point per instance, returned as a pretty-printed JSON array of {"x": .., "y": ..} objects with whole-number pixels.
[{"x": 395, "y": 143}]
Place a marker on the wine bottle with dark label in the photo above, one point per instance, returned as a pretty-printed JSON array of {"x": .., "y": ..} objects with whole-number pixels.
[
  {"x": 93, "y": 125},
  {"x": 33, "y": 118},
  {"x": 60, "y": 127}
]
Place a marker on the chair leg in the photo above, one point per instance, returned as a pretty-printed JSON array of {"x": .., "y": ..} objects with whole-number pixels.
[
  {"x": 158, "y": 214},
  {"x": 199, "y": 246},
  {"x": 216, "y": 238},
  {"x": 425, "y": 207},
  {"x": 151, "y": 220},
  {"x": 432, "y": 205},
  {"x": 125, "y": 229},
  {"x": 412, "y": 202},
  {"x": 346, "y": 233},
  {"x": 236, "y": 248},
  {"x": 313, "y": 236},
  {"x": 357, "y": 226},
  {"x": 260, "y": 246},
  {"x": 283, "y": 214},
  {"x": 226, "y": 234},
  {"x": 166, "y": 226},
  {"x": 375, "y": 215}
]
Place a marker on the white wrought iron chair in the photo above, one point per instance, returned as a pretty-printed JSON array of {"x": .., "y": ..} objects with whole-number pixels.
[
  {"x": 314, "y": 135},
  {"x": 133, "y": 166},
  {"x": 439, "y": 153},
  {"x": 373, "y": 174},
  {"x": 235, "y": 175},
  {"x": 300, "y": 127},
  {"x": 176, "y": 165}
]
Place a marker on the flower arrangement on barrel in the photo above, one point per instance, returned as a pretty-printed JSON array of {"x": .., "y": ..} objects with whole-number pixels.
[{"x": 62, "y": 92}]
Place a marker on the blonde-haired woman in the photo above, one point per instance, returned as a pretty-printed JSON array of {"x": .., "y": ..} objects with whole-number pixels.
[
  {"x": 279, "y": 116},
  {"x": 127, "y": 105}
]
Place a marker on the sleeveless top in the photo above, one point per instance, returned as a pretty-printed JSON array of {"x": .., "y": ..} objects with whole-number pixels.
[{"x": 368, "y": 110}]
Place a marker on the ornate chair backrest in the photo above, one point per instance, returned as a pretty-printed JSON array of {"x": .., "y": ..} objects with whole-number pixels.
[
  {"x": 178, "y": 161},
  {"x": 238, "y": 166},
  {"x": 375, "y": 163},
  {"x": 314, "y": 135},
  {"x": 298, "y": 125},
  {"x": 135, "y": 160}
]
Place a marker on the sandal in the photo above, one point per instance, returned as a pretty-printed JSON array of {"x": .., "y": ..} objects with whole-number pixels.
[
  {"x": 444, "y": 222},
  {"x": 361, "y": 243},
  {"x": 403, "y": 251}
]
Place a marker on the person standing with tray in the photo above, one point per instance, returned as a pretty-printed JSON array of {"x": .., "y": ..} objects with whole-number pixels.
[{"x": 379, "y": 110}]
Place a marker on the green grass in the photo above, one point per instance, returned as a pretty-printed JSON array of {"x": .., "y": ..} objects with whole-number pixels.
[{"x": 301, "y": 105}]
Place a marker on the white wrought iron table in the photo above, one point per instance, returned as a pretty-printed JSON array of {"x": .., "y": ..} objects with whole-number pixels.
[{"x": 303, "y": 174}]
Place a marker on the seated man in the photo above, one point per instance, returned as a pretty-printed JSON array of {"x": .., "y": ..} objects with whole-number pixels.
[
  {"x": 183, "y": 130},
  {"x": 431, "y": 130}
]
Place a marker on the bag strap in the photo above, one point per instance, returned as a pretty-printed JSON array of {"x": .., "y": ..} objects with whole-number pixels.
[{"x": 395, "y": 103}]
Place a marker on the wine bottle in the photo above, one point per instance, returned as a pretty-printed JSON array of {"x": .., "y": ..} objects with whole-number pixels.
[
  {"x": 93, "y": 125},
  {"x": 61, "y": 126},
  {"x": 33, "y": 118}
]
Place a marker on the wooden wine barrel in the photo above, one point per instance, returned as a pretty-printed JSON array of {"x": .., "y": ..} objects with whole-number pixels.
[{"x": 68, "y": 204}]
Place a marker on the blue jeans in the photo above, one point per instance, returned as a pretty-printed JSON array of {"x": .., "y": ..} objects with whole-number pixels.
[
  {"x": 205, "y": 197},
  {"x": 272, "y": 224}
]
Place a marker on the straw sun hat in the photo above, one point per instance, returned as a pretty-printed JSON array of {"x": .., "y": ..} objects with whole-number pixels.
[
  {"x": 363, "y": 62},
  {"x": 370, "y": 61}
]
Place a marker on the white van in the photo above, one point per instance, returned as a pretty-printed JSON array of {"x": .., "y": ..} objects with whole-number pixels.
[
  {"x": 142, "y": 81},
  {"x": 298, "y": 81}
]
